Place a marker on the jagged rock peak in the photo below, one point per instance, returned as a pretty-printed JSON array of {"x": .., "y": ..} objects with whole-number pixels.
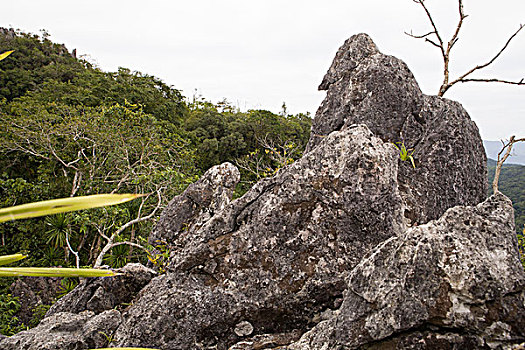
[
  {"x": 365, "y": 86},
  {"x": 348, "y": 57},
  {"x": 211, "y": 193}
]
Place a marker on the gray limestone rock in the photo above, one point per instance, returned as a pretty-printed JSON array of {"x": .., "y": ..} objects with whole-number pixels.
[
  {"x": 366, "y": 86},
  {"x": 277, "y": 256},
  {"x": 455, "y": 282},
  {"x": 211, "y": 193},
  {"x": 66, "y": 331},
  {"x": 100, "y": 294}
]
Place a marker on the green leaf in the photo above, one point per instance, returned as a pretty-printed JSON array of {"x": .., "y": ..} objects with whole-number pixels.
[
  {"x": 124, "y": 349},
  {"x": 412, "y": 161},
  {"x": 54, "y": 272},
  {"x": 5, "y": 54},
  {"x": 8, "y": 259},
  {"x": 63, "y": 205}
]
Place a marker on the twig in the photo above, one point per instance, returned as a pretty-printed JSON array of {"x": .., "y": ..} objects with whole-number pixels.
[
  {"x": 446, "y": 52},
  {"x": 507, "y": 148},
  {"x": 110, "y": 244}
]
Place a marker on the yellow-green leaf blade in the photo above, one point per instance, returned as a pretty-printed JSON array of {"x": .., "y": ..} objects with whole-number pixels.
[
  {"x": 124, "y": 349},
  {"x": 5, "y": 54},
  {"x": 54, "y": 272},
  {"x": 8, "y": 259},
  {"x": 63, "y": 205}
]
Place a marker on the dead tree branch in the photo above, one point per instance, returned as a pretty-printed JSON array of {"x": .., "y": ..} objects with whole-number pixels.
[
  {"x": 111, "y": 240},
  {"x": 505, "y": 151},
  {"x": 446, "y": 51}
]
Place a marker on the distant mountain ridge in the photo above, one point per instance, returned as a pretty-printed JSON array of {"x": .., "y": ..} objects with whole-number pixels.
[{"x": 492, "y": 148}]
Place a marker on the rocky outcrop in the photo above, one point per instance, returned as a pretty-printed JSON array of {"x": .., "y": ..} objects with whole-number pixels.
[
  {"x": 346, "y": 248},
  {"x": 211, "y": 193},
  {"x": 279, "y": 255},
  {"x": 453, "y": 282},
  {"x": 100, "y": 294},
  {"x": 67, "y": 331},
  {"x": 366, "y": 86}
]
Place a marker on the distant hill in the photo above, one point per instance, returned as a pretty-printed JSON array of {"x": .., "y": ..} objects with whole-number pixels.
[
  {"x": 512, "y": 184},
  {"x": 492, "y": 149}
]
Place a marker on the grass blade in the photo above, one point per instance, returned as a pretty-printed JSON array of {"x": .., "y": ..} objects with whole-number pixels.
[
  {"x": 8, "y": 259},
  {"x": 5, "y": 54},
  {"x": 124, "y": 349},
  {"x": 63, "y": 205},
  {"x": 54, "y": 272}
]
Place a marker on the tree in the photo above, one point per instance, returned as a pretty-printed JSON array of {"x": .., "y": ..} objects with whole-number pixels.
[
  {"x": 88, "y": 150},
  {"x": 502, "y": 157},
  {"x": 435, "y": 38}
]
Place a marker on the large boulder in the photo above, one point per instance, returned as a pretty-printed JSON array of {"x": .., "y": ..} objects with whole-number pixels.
[
  {"x": 365, "y": 86},
  {"x": 453, "y": 283},
  {"x": 276, "y": 257}
]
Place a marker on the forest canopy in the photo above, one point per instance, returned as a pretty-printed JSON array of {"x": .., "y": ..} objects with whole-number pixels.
[{"x": 71, "y": 129}]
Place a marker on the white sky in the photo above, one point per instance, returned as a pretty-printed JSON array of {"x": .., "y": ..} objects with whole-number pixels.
[{"x": 261, "y": 53}]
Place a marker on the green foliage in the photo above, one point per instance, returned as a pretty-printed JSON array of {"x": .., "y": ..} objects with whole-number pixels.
[
  {"x": 67, "y": 284},
  {"x": 39, "y": 312},
  {"x": 222, "y": 133},
  {"x": 404, "y": 153},
  {"x": 9, "y": 323},
  {"x": 118, "y": 256},
  {"x": 47, "y": 72},
  {"x": 521, "y": 246}
]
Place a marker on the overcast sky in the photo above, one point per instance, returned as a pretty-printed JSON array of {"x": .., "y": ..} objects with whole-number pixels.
[{"x": 261, "y": 53}]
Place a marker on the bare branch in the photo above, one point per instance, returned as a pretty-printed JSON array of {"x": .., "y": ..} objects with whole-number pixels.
[
  {"x": 436, "y": 32},
  {"x": 419, "y": 36},
  {"x": 521, "y": 82},
  {"x": 130, "y": 244},
  {"x": 505, "y": 150},
  {"x": 110, "y": 244},
  {"x": 446, "y": 52},
  {"x": 481, "y": 66}
]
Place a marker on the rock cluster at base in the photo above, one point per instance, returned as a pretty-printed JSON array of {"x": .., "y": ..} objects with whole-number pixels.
[
  {"x": 453, "y": 282},
  {"x": 347, "y": 248}
]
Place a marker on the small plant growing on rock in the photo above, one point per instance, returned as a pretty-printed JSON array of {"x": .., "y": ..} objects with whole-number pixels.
[{"x": 404, "y": 153}]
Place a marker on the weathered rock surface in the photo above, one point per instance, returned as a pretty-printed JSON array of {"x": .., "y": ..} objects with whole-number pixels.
[
  {"x": 366, "y": 86},
  {"x": 211, "y": 193},
  {"x": 100, "y": 294},
  {"x": 277, "y": 256},
  {"x": 455, "y": 282},
  {"x": 66, "y": 331}
]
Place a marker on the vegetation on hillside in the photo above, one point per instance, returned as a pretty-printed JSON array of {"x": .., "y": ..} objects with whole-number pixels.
[{"x": 70, "y": 129}]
